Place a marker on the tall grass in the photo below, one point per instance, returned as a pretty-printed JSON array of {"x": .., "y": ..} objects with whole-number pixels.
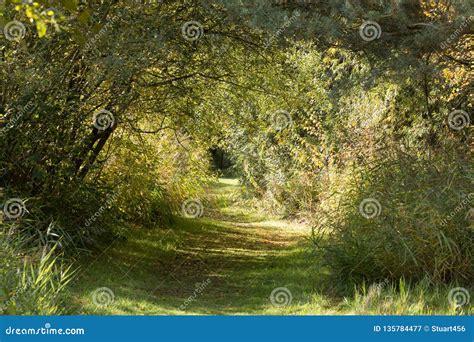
[
  {"x": 408, "y": 236},
  {"x": 31, "y": 280},
  {"x": 403, "y": 298}
]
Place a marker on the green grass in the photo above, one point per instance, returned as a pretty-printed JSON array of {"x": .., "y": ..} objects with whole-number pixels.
[{"x": 242, "y": 255}]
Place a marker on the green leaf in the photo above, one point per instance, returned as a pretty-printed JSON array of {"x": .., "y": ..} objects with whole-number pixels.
[
  {"x": 69, "y": 4},
  {"x": 84, "y": 16}
]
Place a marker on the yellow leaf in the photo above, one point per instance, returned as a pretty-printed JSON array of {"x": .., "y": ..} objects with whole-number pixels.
[
  {"x": 41, "y": 28},
  {"x": 29, "y": 12}
]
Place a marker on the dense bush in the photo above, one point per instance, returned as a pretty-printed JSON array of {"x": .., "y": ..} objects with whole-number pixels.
[
  {"x": 153, "y": 175},
  {"x": 388, "y": 217}
]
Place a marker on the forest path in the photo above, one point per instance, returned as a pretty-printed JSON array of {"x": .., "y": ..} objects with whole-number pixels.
[{"x": 227, "y": 262}]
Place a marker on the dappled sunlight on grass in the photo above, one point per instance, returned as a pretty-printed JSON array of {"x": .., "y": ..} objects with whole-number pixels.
[{"x": 158, "y": 271}]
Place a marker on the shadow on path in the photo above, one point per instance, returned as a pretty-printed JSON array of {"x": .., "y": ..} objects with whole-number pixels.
[{"x": 228, "y": 264}]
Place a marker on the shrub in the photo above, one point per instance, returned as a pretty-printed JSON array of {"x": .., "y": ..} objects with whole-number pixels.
[
  {"x": 78, "y": 214},
  {"x": 153, "y": 175},
  {"x": 392, "y": 217}
]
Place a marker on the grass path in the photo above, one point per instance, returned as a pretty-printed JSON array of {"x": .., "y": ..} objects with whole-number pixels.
[{"x": 227, "y": 262}]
